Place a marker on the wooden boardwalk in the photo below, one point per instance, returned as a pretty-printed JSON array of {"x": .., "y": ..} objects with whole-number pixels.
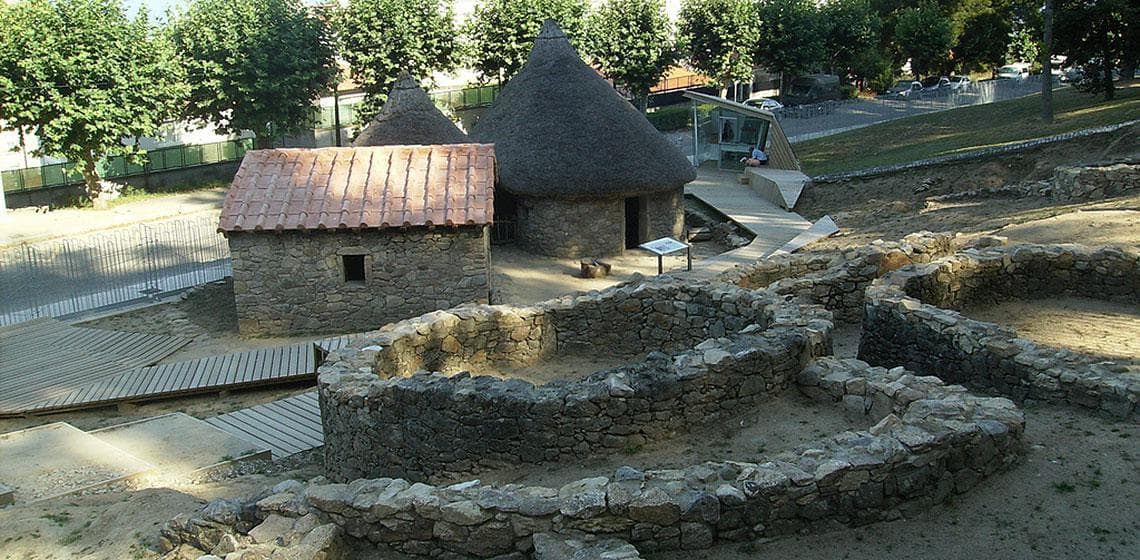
[
  {"x": 295, "y": 362},
  {"x": 44, "y": 359},
  {"x": 286, "y": 427}
]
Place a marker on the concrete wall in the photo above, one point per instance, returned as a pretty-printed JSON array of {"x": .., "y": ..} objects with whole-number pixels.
[{"x": 293, "y": 282}]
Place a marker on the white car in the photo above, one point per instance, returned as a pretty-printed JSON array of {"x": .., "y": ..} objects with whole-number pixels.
[
  {"x": 960, "y": 83},
  {"x": 1018, "y": 71},
  {"x": 764, "y": 103}
]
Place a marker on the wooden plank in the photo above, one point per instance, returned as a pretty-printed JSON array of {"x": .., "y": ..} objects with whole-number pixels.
[
  {"x": 268, "y": 427},
  {"x": 245, "y": 431},
  {"x": 258, "y": 429},
  {"x": 301, "y": 422}
]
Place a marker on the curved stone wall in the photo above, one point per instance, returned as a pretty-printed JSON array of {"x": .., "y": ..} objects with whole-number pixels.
[
  {"x": 730, "y": 347},
  {"x": 574, "y": 228},
  {"x": 910, "y": 321},
  {"x": 931, "y": 441},
  {"x": 837, "y": 280}
]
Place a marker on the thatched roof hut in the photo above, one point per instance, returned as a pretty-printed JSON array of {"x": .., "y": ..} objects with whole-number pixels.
[
  {"x": 409, "y": 117},
  {"x": 562, "y": 131}
]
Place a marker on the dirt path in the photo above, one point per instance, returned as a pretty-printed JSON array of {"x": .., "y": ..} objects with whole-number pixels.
[{"x": 1107, "y": 330}]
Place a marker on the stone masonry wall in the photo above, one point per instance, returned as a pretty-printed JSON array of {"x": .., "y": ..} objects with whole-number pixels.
[
  {"x": 665, "y": 213},
  {"x": 906, "y": 324},
  {"x": 837, "y": 280},
  {"x": 1095, "y": 182},
  {"x": 571, "y": 228},
  {"x": 293, "y": 282},
  {"x": 931, "y": 441},
  {"x": 378, "y": 422}
]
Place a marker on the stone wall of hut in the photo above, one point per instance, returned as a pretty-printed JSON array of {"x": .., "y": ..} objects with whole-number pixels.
[
  {"x": 665, "y": 213},
  {"x": 594, "y": 227},
  {"x": 294, "y": 282}
]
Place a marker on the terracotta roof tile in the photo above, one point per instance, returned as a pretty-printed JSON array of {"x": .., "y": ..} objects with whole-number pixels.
[{"x": 368, "y": 187}]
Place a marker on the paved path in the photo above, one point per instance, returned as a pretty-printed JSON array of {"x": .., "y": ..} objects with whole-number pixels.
[{"x": 773, "y": 227}]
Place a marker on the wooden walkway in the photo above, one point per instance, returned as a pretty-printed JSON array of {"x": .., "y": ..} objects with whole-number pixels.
[
  {"x": 44, "y": 359},
  {"x": 286, "y": 427},
  {"x": 295, "y": 362}
]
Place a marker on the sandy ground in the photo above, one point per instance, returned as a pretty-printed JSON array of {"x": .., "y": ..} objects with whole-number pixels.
[
  {"x": 1076, "y": 494},
  {"x": 1107, "y": 330}
]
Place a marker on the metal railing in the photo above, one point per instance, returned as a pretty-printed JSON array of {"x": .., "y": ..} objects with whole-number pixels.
[{"x": 72, "y": 275}]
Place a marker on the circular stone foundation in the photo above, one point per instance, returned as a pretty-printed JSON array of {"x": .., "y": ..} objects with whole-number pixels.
[
  {"x": 402, "y": 401},
  {"x": 912, "y": 319}
]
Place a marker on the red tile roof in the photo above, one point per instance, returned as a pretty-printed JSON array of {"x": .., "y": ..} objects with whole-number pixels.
[{"x": 350, "y": 188}]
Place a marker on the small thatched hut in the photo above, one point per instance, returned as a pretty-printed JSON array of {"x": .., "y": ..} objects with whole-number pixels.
[
  {"x": 409, "y": 117},
  {"x": 586, "y": 174}
]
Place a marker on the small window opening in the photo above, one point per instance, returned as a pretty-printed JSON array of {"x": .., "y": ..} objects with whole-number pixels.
[{"x": 353, "y": 268}]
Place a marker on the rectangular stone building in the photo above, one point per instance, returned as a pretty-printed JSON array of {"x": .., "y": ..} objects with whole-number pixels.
[{"x": 350, "y": 239}]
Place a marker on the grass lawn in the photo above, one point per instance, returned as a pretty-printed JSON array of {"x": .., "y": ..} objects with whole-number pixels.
[{"x": 963, "y": 130}]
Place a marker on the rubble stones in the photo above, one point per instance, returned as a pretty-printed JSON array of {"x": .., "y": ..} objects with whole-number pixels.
[{"x": 1094, "y": 182}]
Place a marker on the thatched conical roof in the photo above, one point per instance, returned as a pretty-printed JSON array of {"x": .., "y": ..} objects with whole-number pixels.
[
  {"x": 561, "y": 131},
  {"x": 409, "y": 117}
]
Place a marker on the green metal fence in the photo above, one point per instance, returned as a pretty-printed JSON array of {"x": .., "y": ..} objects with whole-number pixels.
[
  {"x": 180, "y": 157},
  {"x": 161, "y": 159}
]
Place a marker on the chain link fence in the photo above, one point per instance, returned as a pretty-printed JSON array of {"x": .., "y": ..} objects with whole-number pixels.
[{"x": 72, "y": 275}]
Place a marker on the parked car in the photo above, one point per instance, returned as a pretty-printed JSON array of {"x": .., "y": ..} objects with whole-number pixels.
[
  {"x": 903, "y": 88},
  {"x": 813, "y": 89},
  {"x": 935, "y": 85},
  {"x": 1018, "y": 71},
  {"x": 764, "y": 103},
  {"x": 959, "y": 84}
]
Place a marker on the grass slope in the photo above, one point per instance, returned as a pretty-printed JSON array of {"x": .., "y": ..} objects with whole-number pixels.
[{"x": 963, "y": 130}]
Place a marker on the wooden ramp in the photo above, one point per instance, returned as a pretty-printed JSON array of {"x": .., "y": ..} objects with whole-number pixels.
[
  {"x": 44, "y": 359},
  {"x": 286, "y": 427},
  {"x": 295, "y": 362}
]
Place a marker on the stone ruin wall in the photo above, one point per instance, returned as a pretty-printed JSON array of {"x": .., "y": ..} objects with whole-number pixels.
[
  {"x": 732, "y": 348},
  {"x": 838, "y": 280},
  {"x": 1095, "y": 182},
  {"x": 910, "y": 321},
  {"x": 931, "y": 441}
]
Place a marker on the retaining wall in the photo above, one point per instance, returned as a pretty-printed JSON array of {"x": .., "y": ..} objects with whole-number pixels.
[
  {"x": 1094, "y": 182},
  {"x": 910, "y": 321}
]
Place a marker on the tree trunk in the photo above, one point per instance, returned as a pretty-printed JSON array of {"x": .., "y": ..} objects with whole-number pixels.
[
  {"x": 91, "y": 180},
  {"x": 1106, "y": 68},
  {"x": 641, "y": 101},
  {"x": 1047, "y": 64}
]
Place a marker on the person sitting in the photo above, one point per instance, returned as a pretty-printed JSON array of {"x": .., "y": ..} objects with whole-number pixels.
[{"x": 758, "y": 158}]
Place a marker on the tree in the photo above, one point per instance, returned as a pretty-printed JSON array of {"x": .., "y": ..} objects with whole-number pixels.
[
  {"x": 255, "y": 65},
  {"x": 1096, "y": 34},
  {"x": 718, "y": 38},
  {"x": 923, "y": 35},
  {"x": 630, "y": 41},
  {"x": 501, "y": 32},
  {"x": 983, "y": 42},
  {"x": 82, "y": 77},
  {"x": 852, "y": 31},
  {"x": 791, "y": 38},
  {"x": 381, "y": 38}
]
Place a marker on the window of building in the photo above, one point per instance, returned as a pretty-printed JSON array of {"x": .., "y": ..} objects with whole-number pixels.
[{"x": 353, "y": 268}]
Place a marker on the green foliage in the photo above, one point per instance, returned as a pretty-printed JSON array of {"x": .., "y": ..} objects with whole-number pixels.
[
  {"x": 630, "y": 41},
  {"x": 1023, "y": 46},
  {"x": 673, "y": 117},
  {"x": 256, "y": 65},
  {"x": 924, "y": 35},
  {"x": 718, "y": 38},
  {"x": 852, "y": 32},
  {"x": 1097, "y": 35},
  {"x": 381, "y": 38},
  {"x": 501, "y": 32},
  {"x": 81, "y": 76},
  {"x": 983, "y": 41},
  {"x": 791, "y": 37}
]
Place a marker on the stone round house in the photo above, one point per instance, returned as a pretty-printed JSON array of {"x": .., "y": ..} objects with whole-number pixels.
[
  {"x": 409, "y": 117},
  {"x": 581, "y": 171}
]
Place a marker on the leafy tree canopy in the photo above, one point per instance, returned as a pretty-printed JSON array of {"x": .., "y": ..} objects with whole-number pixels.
[
  {"x": 852, "y": 28},
  {"x": 254, "y": 65},
  {"x": 718, "y": 37},
  {"x": 82, "y": 76},
  {"x": 501, "y": 32},
  {"x": 381, "y": 38},
  {"x": 1098, "y": 34},
  {"x": 631, "y": 42},
  {"x": 791, "y": 37},
  {"x": 924, "y": 35},
  {"x": 983, "y": 42}
]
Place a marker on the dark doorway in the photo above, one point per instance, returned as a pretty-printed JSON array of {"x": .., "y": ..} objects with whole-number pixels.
[{"x": 632, "y": 223}]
